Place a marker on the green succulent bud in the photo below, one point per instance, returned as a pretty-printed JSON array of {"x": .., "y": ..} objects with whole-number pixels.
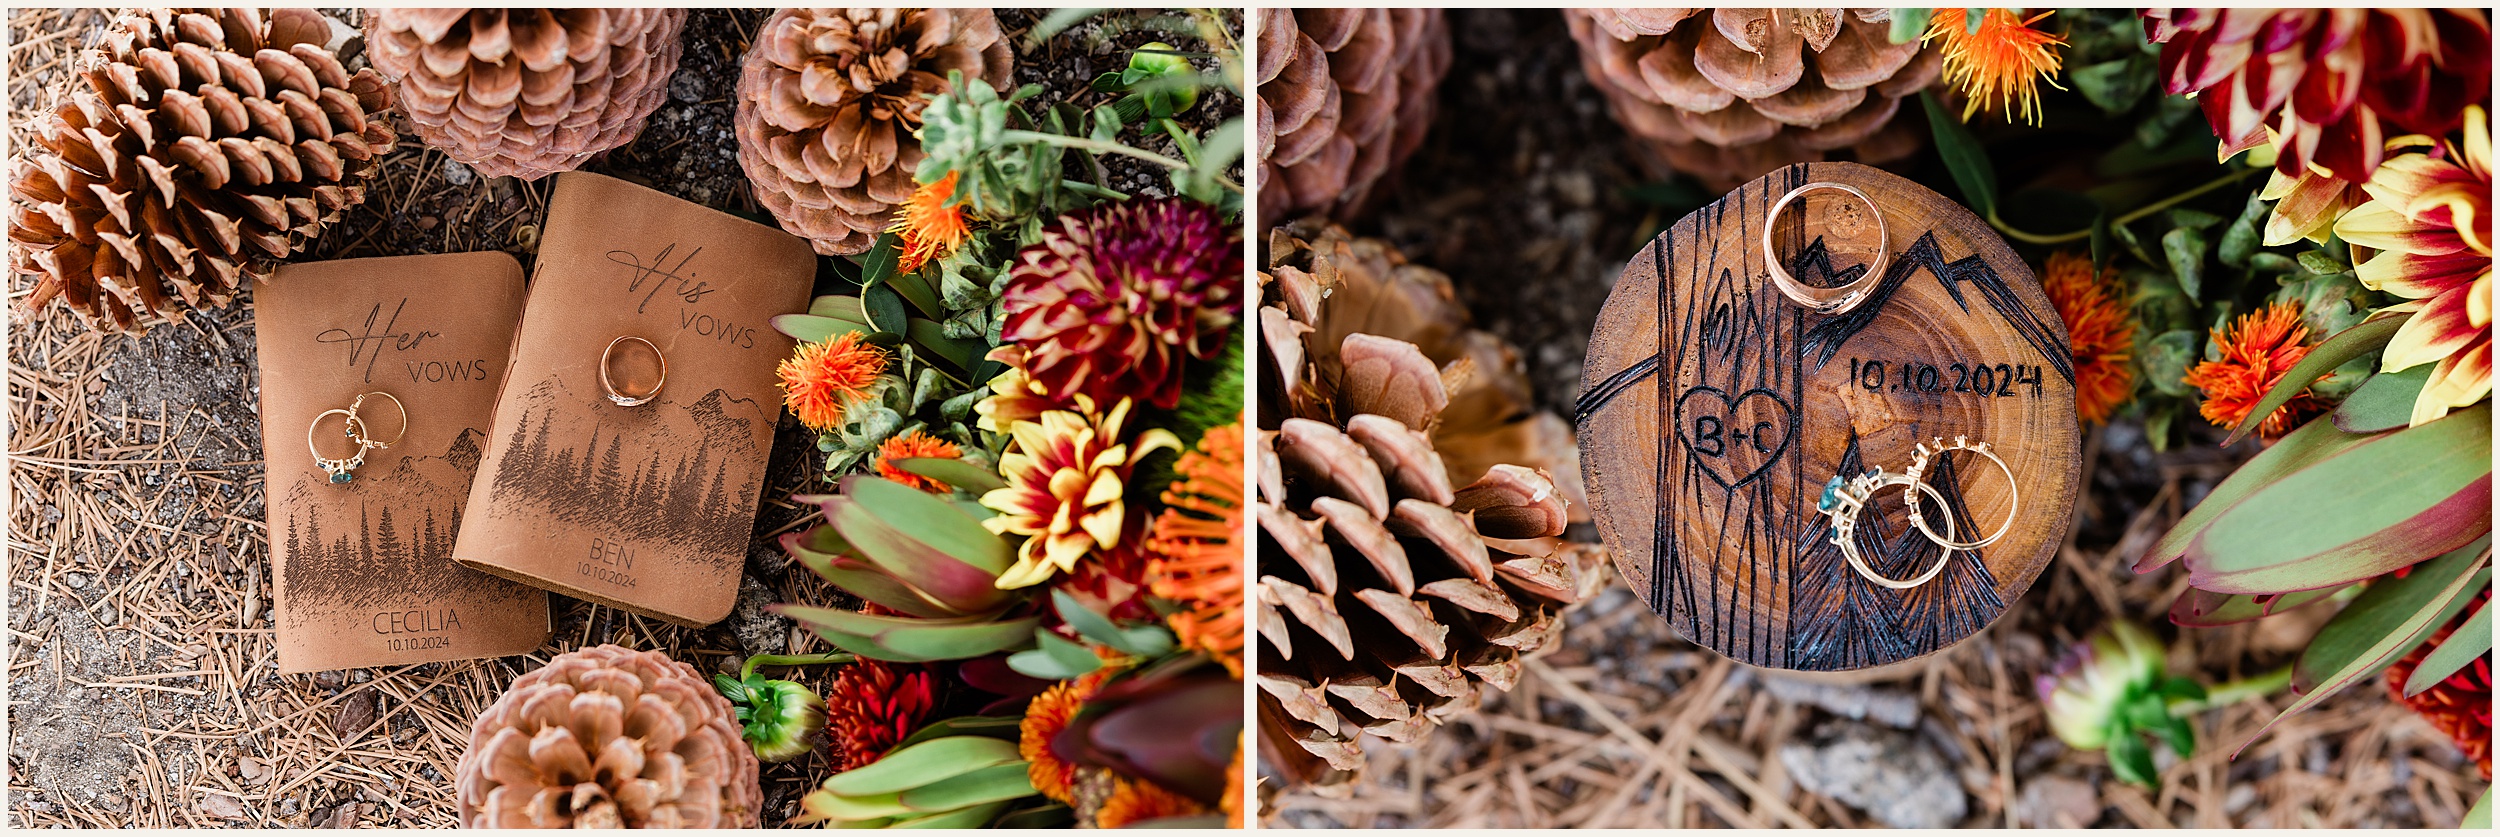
[
  {"x": 777, "y": 716},
  {"x": 2110, "y": 690}
]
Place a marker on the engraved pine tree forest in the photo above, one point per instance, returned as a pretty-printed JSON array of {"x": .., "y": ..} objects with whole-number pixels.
[
  {"x": 652, "y": 473},
  {"x": 387, "y": 553}
]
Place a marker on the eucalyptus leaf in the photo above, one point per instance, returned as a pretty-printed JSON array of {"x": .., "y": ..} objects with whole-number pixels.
[
  {"x": 1963, "y": 157},
  {"x": 2384, "y": 402},
  {"x": 879, "y": 264},
  {"x": 885, "y": 309},
  {"x": 2183, "y": 248},
  {"x": 2167, "y": 358},
  {"x": 2113, "y": 86}
]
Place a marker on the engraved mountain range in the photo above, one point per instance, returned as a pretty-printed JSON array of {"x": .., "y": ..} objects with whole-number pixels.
[
  {"x": 395, "y": 547},
  {"x": 657, "y": 473}
]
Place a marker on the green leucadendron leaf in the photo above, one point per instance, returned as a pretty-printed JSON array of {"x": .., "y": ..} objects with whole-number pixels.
[
  {"x": 956, "y": 473},
  {"x": 2370, "y": 336},
  {"x": 883, "y": 541},
  {"x": 2304, "y": 446},
  {"x": 1963, "y": 156},
  {"x": 2388, "y": 502},
  {"x": 2384, "y": 402},
  {"x": 944, "y": 526},
  {"x": 811, "y": 328},
  {"x": 2384, "y": 623},
  {"x": 2208, "y": 609},
  {"x": 923, "y": 764},
  {"x": 976, "y": 816},
  {"x": 2469, "y": 642},
  {"x": 2479, "y": 816},
  {"x": 996, "y": 783},
  {"x": 908, "y": 640}
]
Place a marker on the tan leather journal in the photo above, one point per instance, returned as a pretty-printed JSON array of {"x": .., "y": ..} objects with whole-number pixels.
[
  {"x": 647, "y": 507},
  {"x": 363, "y": 557}
]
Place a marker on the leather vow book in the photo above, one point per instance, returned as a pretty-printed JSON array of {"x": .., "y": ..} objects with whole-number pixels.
[
  {"x": 364, "y": 570},
  {"x": 648, "y": 508}
]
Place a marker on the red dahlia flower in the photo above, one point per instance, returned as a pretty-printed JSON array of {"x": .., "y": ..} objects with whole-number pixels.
[
  {"x": 870, "y": 707},
  {"x": 1114, "y": 299}
]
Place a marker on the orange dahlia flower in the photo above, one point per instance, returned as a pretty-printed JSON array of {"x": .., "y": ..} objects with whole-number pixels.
[
  {"x": 926, "y": 227},
  {"x": 2102, "y": 332},
  {"x": 1066, "y": 472},
  {"x": 2429, "y": 218},
  {"x": 2256, "y": 349},
  {"x": 1044, "y": 718},
  {"x": 1196, "y": 547},
  {"x": 915, "y": 445},
  {"x": 1999, "y": 66},
  {"x": 821, "y": 379}
]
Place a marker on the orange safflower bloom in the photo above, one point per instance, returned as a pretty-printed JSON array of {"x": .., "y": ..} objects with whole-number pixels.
[
  {"x": 1044, "y": 718},
  {"x": 915, "y": 445},
  {"x": 1137, "y": 800},
  {"x": 2001, "y": 65},
  {"x": 1195, "y": 547},
  {"x": 2102, "y": 332},
  {"x": 2256, "y": 349},
  {"x": 926, "y": 227},
  {"x": 820, "y": 379}
]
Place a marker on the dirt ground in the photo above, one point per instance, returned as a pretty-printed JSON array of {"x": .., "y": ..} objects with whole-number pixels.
[
  {"x": 142, "y": 684},
  {"x": 1523, "y": 194}
]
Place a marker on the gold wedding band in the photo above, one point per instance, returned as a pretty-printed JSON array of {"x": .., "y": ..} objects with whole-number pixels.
[
  {"x": 363, "y": 440},
  {"x": 1918, "y": 472},
  {"x": 1826, "y": 300},
  {"x": 340, "y": 470},
  {"x": 1844, "y": 501},
  {"x": 609, "y": 384}
]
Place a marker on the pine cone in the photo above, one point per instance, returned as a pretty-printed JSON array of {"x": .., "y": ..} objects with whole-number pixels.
[
  {"x": 527, "y": 92},
  {"x": 828, "y": 103},
  {"x": 1727, "y": 95},
  {"x": 203, "y": 146},
  {"x": 1388, "y": 598},
  {"x": 1344, "y": 96},
  {"x": 609, "y": 737}
]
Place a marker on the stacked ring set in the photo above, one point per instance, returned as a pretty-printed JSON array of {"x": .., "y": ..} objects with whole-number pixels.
[{"x": 343, "y": 469}]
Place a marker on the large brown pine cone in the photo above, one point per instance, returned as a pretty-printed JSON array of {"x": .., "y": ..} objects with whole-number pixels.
[
  {"x": 202, "y": 146},
  {"x": 1727, "y": 95},
  {"x": 526, "y": 92},
  {"x": 828, "y": 102},
  {"x": 1344, "y": 97},
  {"x": 1389, "y": 596},
  {"x": 609, "y": 737}
]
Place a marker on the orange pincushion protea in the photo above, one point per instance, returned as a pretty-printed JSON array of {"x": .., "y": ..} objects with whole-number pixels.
[
  {"x": 1066, "y": 473},
  {"x": 2429, "y": 216},
  {"x": 1196, "y": 547},
  {"x": 2102, "y": 331},
  {"x": 1134, "y": 801},
  {"x": 2001, "y": 65},
  {"x": 1049, "y": 713},
  {"x": 821, "y": 379},
  {"x": 915, "y": 445},
  {"x": 926, "y": 227},
  {"x": 2256, "y": 350},
  {"x": 871, "y": 706}
]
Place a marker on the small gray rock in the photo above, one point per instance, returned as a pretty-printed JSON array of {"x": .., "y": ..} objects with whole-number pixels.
[
  {"x": 1893, "y": 776},
  {"x": 76, "y": 581},
  {"x": 1889, "y": 707},
  {"x": 685, "y": 87},
  {"x": 759, "y": 631},
  {"x": 457, "y": 173},
  {"x": 2059, "y": 802}
]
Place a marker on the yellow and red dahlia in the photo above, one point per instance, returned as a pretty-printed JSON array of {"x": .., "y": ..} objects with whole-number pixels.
[
  {"x": 2256, "y": 350},
  {"x": 1013, "y": 396},
  {"x": 871, "y": 706},
  {"x": 926, "y": 226},
  {"x": 2429, "y": 218},
  {"x": 2000, "y": 65},
  {"x": 915, "y": 445},
  {"x": 1197, "y": 547},
  {"x": 2102, "y": 332},
  {"x": 1066, "y": 472},
  {"x": 1113, "y": 300},
  {"x": 2332, "y": 83},
  {"x": 820, "y": 380}
]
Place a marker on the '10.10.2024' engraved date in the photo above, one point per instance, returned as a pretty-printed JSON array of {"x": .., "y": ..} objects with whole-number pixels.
[{"x": 2001, "y": 380}]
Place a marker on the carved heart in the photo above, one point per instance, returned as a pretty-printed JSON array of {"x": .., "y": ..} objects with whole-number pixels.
[{"x": 1734, "y": 439}]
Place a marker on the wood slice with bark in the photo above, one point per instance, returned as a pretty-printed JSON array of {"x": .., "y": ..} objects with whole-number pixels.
[{"x": 1717, "y": 409}]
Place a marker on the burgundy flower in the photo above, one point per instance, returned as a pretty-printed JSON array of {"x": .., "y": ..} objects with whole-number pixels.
[
  {"x": 871, "y": 706},
  {"x": 1114, "y": 299}
]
